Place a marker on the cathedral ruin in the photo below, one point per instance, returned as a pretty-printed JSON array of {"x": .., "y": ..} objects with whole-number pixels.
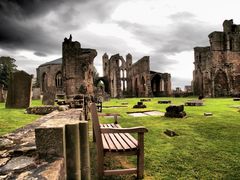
[
  {"x": 73, "y": 74},
  {"x": 70, "y": 75},
  {"x": 217, "y": 67},
  {"x": 122, "y": 78}
]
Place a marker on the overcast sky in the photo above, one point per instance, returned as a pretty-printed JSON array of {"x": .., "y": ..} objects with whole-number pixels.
[{"x": 32, "y": 31}]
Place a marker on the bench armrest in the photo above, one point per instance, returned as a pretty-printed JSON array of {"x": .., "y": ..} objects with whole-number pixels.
[
  {"x": 115, "y": 116},
  {"x": 139, "y": 129}
]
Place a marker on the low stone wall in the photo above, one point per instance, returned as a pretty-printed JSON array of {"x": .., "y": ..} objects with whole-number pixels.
[
  {"x": 36, "y": 151},
  {"x": 19, "y": 158}
]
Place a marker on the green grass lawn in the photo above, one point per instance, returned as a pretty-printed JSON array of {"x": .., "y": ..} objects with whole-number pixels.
[
  {"x": 11, "y": 119},
  {"x": 206, "y": 148}
]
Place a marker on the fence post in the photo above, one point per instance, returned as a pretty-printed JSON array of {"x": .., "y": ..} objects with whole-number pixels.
[
  {"x": 71, "y": 151},
  {"x": 84, "y": 151}
]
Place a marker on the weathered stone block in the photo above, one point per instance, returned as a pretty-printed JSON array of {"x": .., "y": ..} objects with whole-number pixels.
[
  {"x": 49, "y": 141},
  {"x": 175, "y": 111},
  {"x": 19, "y": 90},
  {"x": 36, "y": 92},
  {"x": 48, "y": 98}
]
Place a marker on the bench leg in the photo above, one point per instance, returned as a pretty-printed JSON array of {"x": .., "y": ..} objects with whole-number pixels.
[
  {"x": 100, "y": 166},
  {"x": 140, "y": 156}
]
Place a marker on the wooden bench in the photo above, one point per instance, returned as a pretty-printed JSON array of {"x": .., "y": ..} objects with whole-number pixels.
[{"x": 112, "y": 139}]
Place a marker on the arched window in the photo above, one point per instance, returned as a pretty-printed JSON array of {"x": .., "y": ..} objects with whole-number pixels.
[{"x": 58, "y": 80}]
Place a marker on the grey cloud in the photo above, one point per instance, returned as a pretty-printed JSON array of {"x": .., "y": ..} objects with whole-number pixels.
[
  {"x": 41, "y": 25},
  {"x": 40, "y": 54}
]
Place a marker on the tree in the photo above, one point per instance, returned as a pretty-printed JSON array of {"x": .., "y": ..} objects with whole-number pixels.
[
  {"x": 95, "y": 74},
  {"x": 7, "y": 66}
]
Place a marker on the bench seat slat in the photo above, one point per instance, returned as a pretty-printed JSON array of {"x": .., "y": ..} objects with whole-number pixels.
[
  {"x": 109, "y": 142},
  {"x": 119, "y": 141},
  {"x": 133, "y": 143}
]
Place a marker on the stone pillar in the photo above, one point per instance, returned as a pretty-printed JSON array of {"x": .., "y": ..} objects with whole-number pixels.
[{"x": 19, "y": 90}]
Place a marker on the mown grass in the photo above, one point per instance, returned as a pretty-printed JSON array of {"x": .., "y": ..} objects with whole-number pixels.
[
  {"x": 11, "y": 119},
  {"x": 206, "y": 148}
]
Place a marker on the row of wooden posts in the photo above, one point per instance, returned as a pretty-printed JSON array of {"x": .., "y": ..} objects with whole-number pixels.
[{"x": 76, "y": 151}]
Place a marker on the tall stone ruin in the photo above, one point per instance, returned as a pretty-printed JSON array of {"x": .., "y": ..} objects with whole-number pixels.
[
  {"x": 217, "y": 67},
  {"x": 19, "y": 90},
  {"x": 77, "y": 68}
]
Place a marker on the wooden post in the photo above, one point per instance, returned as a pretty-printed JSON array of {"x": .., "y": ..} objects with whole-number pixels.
[
  {"x": 84, "y": 151},
  {"x": 71, "y": 151},
  {"x": 140, "y": 156}
]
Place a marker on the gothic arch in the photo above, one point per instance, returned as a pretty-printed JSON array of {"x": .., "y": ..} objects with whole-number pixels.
[
  {"x": 105, "y": 81},
  {"x": 58, "y": 80}
]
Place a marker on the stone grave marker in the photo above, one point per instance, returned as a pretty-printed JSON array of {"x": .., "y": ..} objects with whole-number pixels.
[
  {"x": 19, "y": 90},
  {"x": 48, "y": 98},
  {"x": 1, "y": 93},
  {"x": 36, "y": 92},
  {"x": 175, "y": 111}
]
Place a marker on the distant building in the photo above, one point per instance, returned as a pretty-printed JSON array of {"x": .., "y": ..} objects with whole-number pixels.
[
  {"x": 217, "y": 67},
  {"x": 188, "y": 88}
]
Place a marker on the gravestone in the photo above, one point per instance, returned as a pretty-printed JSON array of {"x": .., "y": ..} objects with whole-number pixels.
[
  {"x": 175, "y": 111},
  {"x": 48, "y": 98},
  {"x": 19, "y": 90},
  {"x": 36, "y": 92},
  {"x": 139, "y": 105},
  {"x": 1, "y": 93}
]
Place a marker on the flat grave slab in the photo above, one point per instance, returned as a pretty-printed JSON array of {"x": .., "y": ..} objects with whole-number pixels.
[
  {"x": 145, "y": 113},
  {"x": 194, "y": 103},
  {"x": 236, "y": 99},
  {"x": 164, "y": 102}
]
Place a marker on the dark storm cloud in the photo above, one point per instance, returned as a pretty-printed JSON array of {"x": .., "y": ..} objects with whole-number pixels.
[
  {"x": 40, "y": 54},
  {"x": 41, "y": 25}
]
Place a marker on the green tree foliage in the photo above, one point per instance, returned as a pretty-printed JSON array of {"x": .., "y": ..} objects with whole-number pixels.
[
  {"x": 7, "y": 66},
  {"x": 95, "y": 74}
]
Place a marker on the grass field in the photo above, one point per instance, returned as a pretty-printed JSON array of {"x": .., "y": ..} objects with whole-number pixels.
[
  {"x": 206, "y": 148},
  {"x": 11, "y": 119}
]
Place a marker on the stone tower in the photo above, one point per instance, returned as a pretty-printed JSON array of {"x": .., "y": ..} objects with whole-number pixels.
[
  {"x": 217, "y": 67},
  {"x": 77, "y": 68}
]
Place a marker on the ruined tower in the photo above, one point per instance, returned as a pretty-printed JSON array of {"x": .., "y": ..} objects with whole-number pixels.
[
  {"x": 77, "y": 68},
  {"x": 217, "y": 67}
]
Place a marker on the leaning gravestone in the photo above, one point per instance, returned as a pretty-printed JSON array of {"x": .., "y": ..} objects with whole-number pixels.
[
  {"x": 48, "y": 98},
  {"x": 19, "y": 90},
  {"x": 36, "y": 92},
  {"x": 1, "y": 93}
]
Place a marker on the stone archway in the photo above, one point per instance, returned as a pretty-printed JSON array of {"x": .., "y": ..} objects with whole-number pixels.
[
  {"x": 105, "y": 83},
  {"x": 221, "y": 87},
  {"x": 155, "y": 85}
]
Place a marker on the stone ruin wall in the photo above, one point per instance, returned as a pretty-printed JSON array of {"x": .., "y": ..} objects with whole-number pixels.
[
  {"x": 217, "y": 68},
  {"x": 139, "y": 78},
  {"x": 125, "y": 79},
  {"x": 77, "y": 68},
  {"x": 46, "y": 75},
  {"x": 115, "y": 70}
]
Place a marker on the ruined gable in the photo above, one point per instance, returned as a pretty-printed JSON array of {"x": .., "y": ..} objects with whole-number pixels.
[{"x": 217, "y": 67}]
